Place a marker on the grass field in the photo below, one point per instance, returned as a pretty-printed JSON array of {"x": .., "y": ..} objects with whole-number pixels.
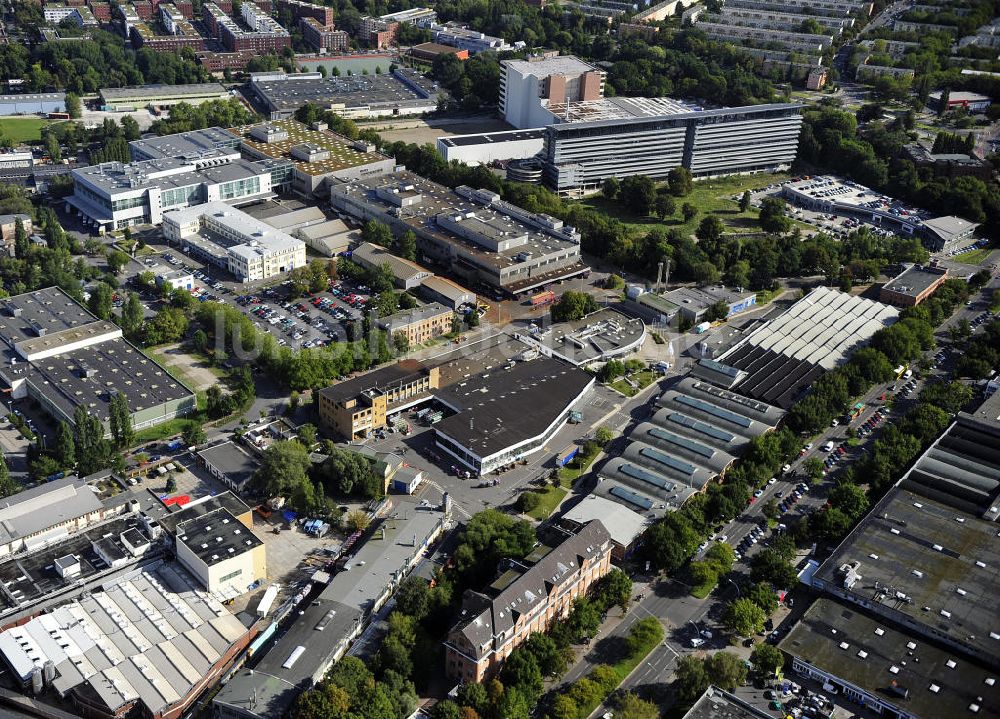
[
  {"x": 551, "y": 497},
  {"x": 974, "y": 257},
  {"x": 22, "y": 129},
  {"x": 642, "y": 379},
  {"x": 709, "y": 196}
]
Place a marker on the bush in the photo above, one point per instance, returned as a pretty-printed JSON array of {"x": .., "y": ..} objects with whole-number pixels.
[{"x": 529, "y": 501}]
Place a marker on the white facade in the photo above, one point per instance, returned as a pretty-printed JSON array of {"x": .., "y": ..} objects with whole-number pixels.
[
  {"x": 523, "y": 87},
  {"x": 492, "y": 146}
]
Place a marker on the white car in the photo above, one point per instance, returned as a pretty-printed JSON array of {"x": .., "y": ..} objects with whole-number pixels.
[
  {"x": 772, "y": 480},
  {"x": 697, "y": 642},
  {"x": 786, "y": 469},
  {"x": 758, "y": 493}
]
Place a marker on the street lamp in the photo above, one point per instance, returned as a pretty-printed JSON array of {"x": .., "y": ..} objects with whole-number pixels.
[{"x": 737, "y": 586}]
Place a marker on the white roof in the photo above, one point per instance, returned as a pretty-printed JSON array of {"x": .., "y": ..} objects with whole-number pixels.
[{"x": 622, "y": 523}]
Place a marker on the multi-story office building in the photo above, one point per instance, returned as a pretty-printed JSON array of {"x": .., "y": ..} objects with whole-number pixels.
[
  {"x": 232, "y": 240},
  {"x": 323, "y": 38},
  {"x": 111, "y": 196},
  {"x": 473, "y": 233},
  {"x": 419, "y": 324},
  {"x": 620, "y": 137},
  {"x": 465, "y": 38},
  {"x": 526, "y": 598},
  {"x": 358, "y": 406},
  {"x": 415, "y": 15},
  {"x": 527, "y": 86}
]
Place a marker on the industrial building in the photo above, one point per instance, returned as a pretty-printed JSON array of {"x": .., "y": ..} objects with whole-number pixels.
[
  {"x": 598, "y": 337},
  {"x": 486, "y": 147},
  {"x": 464, "y": 38},
  {"x": 944, "y": 233},
  {"x": 222, "y": 553},
  {"x": 320, "y": 634},
  {"x": 230, "y": 464},
  {"x": 506, "y": 414},
  {"x": 408, "y": 275},
  {"x": 318, "y": 155},
  {"x": 402, "y": 92},
  {"x": 913, "y": 285},
  {"x": 38, "y": 103},
  {"x": 419, "y": 324},
  {"x": 234, "y": 241},
  {"x": 149, "y": 643},
  {"x": 126, "y": 99},
  {"x": 448, "y": 293},
  {"x": 695, "y": 434},
  {"x": 356, "y": 407},
  {"x": 63, "y": 357},
  {"x": 527, "y": 86},
  {"x": 625, "y": 526},
  {"x": 203, "y": 147},
  {"x": 472, "y": 233},
  {"x": 526, "y": 598},
  {"x": 718, "y": 704},
  {"x": 785, "y": 355},
  {"x": 868, "y": 661},
  {"x": 620, "y": 137},
  {"x": 689, "y": 303},
  {"x": 926, "y": 566},
  {"x": 327, "y": 237},
  {"x": 972, "y": 102},
  {"x": 112, "y": 196}
]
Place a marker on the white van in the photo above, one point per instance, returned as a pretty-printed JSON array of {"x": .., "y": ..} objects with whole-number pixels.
[{"x": 828, "y": 447}]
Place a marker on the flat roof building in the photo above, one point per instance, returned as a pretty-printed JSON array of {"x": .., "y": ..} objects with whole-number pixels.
[
  {"x": 419, "y": 324},
  {"x": 112, "y": 196},
  {"x": 486, "y": 147},
  {"x": 403, "y": 92},
  {"x": 356, "y": 407},
  {"x": 234, "y": 241},
  {"x": 37, "y": 103},
  {"x": 625, "y": 526},
  {"x": 40, "y": 515},
  {"x": 892, "y": 673},
  {"x": 474, "y": 233},
  {"x": 63, "y": 357},
  {"x": 691, "y": 303},
  {"x": 527, "y": 86},
  {"x": 598, "y": 337},
  {"x": 913, "y": 285},
  {"x": 941, "y": 233},
  {"x": 149, "y": 643},
  {"x": 718, "y": 704},
  {"x": 926, "y": 566},
  {"x": 120, "y": 99},
  {"x": 785, "y": 355},
  {"x": 508, "y": 413},
  {"x": 223, "y": 554},
  {"x": 448, "y": 293},
  {"x": 201, "y": 147},
  {"x": 320, "y": 634},
  {"x": 230, "y": 464}
]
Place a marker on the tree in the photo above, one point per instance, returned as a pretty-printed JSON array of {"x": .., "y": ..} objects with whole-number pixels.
[
  {"x": 710, "y": 228},
  {"x": 690, "y": 680},
  {"x": 521, "y": 671},
  {"x": 563, "y": 707},
  {"x": 284, "y": 466},
  {"x": 769, "y": 566},
  {"x": 814, "y": 469},
  {"x": 7, "y": 484},
  {"x": 406, "y": 245},
  {"x": 643, "y": 635},
  {"x": 130, "y": 128},
  {"x": 377, "y": 233},
  {"x": 193, "y": 434},
  {"x": 669, "y": 543},
  {"x": 93, "y": 451},
  {"x": 101, "y": 300},
  {"x": 21, "y": 241},
  {"x": 770, "y": 509},
  {"x": 664, "y": 205},
  {"x": 745, "y": 201},
  {"x": 171, "y": 485},
  {"x": 744, "y": 618},
  {"x": 948, "y": 396},
  {"x": 117, "y": 260},
  {"x": 414, "y": 598},
  {"x": 307, "y": 435},
  {"x": 585, "y": 619},
  {"x": 551, "y": 658},
  {"x": 632, "y": 707},
  {"x": 120, "y": 419},
  {"x": 763, "y": 596},
  {"x": 849, "y": 499},
  {"x": 64, "y": 450},
  {"x": 74, "y": 107},
  {"x": 726, "y": 670},
  {"x": 680, "y": 182},
  {"x": 772, "y": 216},
  {"x": 614, "y": 588},
  {"x": 610, "y": 187},
  {"x": 637, "y": 193},
  {"x": 689, "y": 211},
  {"x": 604, "y": 435},
  {"x": 767, "y": 658},
  {"x": 357, "y": 521},
  {"x": 529, "y": 501},
  {"x": 573, "y": 306}
]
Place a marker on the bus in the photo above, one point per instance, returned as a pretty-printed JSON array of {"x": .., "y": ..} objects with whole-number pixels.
[
  {"x": 543, "y": 298},
  {"x": 856, "y": 411},
  {"x": 900, "y": 370}
]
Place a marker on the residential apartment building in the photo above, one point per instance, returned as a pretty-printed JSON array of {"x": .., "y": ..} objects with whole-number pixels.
[
  {"x": 323, "y": 38},
  {"x": 420, "y": 324},
  {"x": 299, "y": 10},
  {"x": 265, "y": 34},
  {"x": 8, "y": 230},
  {"x": 354, "y": 408},
  {"x": 527, "y": 598},
  {"x": 378, "y": 33}
]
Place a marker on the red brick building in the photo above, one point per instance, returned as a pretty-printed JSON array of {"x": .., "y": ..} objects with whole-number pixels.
[
  {"x": 322, "y": 14},
  {"x": 144, "y": 9},
  {"x": 185, "y": 7},
  {"x": 101, "y": 10},
  {"x": 378, "y": 33},
  {"x": 323, "y": 38},
  {"x": 221, "y": 61}
]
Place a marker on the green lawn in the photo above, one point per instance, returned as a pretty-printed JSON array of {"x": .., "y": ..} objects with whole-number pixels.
[
  {"x": 709, "y": 196},
  {"x": 167, "y": 429},
  {"x": 551, "y": 497},
  {"x": 643, "y": 379},
  {"x": 974, "y": 257},
  {"x": 700, "y": 591},
  {"x": 22, "y": 129},
  {"x": 625, "y": 666},
  {"x": 572, "y": 471}
]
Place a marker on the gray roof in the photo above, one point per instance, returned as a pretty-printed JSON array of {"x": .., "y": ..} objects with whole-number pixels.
[
  {"x": 231, "y": 460},
  {"x": 386, "y": 90},
  {"x": 872, "y": 655},
  {"x": 950, "y": 227},
  {"x": 216, "y": 536},
  {"x": 506, "y": 406},
  {"x": 196, "y": 144},
  {"x": 485, "y": 618},
  {"x": 45, "y": 506},
  {"x": 718, "y": 704},
  {"x": 335, "y": 616},
  {"x": 624, "y": 525},
  {"x": 404, "y": 318},
  {"x": 371, "y": 255},
  {"x": 601, "y": 335},
  {"x": 155, "y": 91},
  {"x": 928, "y": 564},
  {"x": 915, "y": 280}
]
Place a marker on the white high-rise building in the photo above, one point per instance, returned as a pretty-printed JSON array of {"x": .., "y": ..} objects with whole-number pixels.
[{"x": 527, "y": 87}]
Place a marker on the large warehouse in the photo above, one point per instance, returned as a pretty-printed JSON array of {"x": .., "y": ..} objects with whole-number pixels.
[
  {"x": 63, "y": 357},
  {"x": 787, "y": 354},
  {"x": 122, "y": 99},
  {"x": 696, "y": 433}
]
